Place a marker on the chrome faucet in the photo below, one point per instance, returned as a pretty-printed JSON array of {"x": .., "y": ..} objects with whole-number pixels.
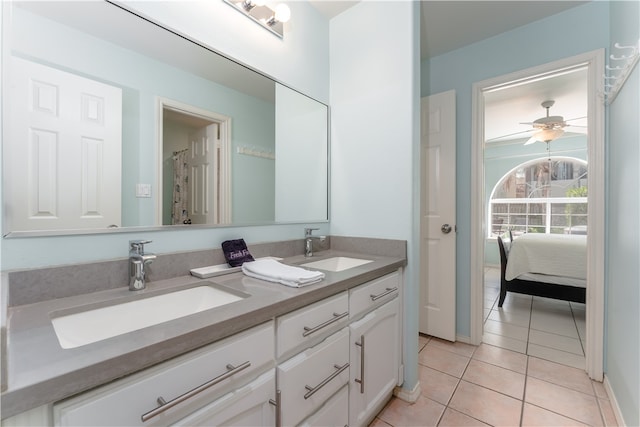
[
  {"x": 137, "y": 261},
  {"x": 308, "y": 242}
]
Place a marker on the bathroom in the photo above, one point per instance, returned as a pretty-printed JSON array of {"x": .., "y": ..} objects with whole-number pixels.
[{"x": 365, "y": 65}]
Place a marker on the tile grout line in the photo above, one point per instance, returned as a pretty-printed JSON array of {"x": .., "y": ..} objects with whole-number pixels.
[
  {"x": 524, "y": 390},
  {"x": 529, "y": 333},
  {"x": 573, "y": 314}
]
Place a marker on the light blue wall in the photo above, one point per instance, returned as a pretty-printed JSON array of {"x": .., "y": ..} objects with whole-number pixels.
[
  {"x": 500, "y": 158},
  {"x": 578, "y": 30},
  {"x": 374, "y": 142},
  {"x": 300, "y": 60},
  {"x": 622, "y": 329},
  {"x": 252, "y": 118}
]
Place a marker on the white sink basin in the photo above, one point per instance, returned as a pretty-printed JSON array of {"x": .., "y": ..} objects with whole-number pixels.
[
  {"x": 338, "y": 263},
  {"x": 78, "y": 329}
]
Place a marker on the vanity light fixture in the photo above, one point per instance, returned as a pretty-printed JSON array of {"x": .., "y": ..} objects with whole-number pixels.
[{"x": 265, "y": 16}]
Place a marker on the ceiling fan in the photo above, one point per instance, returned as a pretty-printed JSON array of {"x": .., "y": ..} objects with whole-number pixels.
[{"x": 547, "y": 128}]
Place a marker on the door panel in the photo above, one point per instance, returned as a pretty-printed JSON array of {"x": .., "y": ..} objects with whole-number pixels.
[
  {"x": 203, "y": 174},
  {"x": 56, "y": 117},
  {"x": 438, "y": 215}
]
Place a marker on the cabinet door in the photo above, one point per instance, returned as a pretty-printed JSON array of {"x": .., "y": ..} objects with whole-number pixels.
[
  {"x": 248, "y": 406},
  {"x": 374, "y": 359}
]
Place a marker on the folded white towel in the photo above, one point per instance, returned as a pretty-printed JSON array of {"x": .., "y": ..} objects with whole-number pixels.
[{"x": 274, "y": 271}]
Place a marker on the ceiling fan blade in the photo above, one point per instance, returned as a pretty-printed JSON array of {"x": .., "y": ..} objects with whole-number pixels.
[
  {"x": 531, "y": 140},
  {"x": 509, "y": 135},
  {"x": 576, "y": 118}
]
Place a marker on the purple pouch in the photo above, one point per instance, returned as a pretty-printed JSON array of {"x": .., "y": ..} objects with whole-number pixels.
[{"x": 236, "y": 252}]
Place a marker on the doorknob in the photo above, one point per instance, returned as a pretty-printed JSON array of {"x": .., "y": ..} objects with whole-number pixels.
[{"x": 446, "y": 228}]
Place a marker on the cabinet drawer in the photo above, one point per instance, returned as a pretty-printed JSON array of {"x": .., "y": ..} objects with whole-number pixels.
[
  {"x": 334, "y": 413},
  {"x": 307, "y": 326},
  {"x": 246, "y": 406},
  {"x": 373, "y": 294},
  {"x": 224, "y": 365},
  {"x": 308, "y": 379}
]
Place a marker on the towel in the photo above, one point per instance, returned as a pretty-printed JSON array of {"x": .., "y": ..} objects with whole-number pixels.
[
  {"x": 274, "y": 271},
  {"x": 236, "y": 252}
]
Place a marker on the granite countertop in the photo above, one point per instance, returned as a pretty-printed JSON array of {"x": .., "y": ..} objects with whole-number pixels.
[{"x": 39, "y": 371}]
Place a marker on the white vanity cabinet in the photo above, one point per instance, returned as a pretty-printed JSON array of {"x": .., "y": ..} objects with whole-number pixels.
[
  {"x": 334, "y": 363},
  {"x": 310, "y": 378},
  {"x": 188, "y": 386},
  {"x": 375, "y": 348}
]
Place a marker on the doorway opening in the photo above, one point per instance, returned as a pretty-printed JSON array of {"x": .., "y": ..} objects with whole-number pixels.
[
  {"x": 194, "y": 166},
  {"x": 497, "y": 98}
]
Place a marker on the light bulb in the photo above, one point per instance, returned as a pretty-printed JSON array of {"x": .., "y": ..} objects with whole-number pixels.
[{"x": 283, "y": 14}]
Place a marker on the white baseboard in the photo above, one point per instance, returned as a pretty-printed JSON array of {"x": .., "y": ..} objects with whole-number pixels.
[
  {"x": 614, "y": 403},
  {"x": 409, "y": 396},
  {"x": 463, "y": 339}
]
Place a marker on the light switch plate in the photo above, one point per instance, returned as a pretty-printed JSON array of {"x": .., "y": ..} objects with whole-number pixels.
[{"x": 143, "y": 190}]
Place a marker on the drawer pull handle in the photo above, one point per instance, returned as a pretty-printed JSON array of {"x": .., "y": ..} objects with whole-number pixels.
[
  {"x": 361, "y": 380},
  {"x": 308, "y": 331},
  {"x": 386, "y": 292},
  {"x": 164, "y": 405},
  {"x": 278, "y": 404},
  {"x": 312, "y": 390}
]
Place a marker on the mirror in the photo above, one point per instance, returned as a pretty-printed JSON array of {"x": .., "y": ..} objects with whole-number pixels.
[{"x": 112, "y": 121}]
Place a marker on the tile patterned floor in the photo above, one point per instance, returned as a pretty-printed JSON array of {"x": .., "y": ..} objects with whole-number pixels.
[
  {"x": 465, "y": 385},
  {"x": 542, "y": 327},
  {"x": 529, "y": 371}
]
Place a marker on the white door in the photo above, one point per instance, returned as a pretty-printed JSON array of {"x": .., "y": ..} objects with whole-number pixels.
[
  {"x": 438, "y": 215},
  {"x": 65, "y": 140},
  {"x": 203, "y": 175}
]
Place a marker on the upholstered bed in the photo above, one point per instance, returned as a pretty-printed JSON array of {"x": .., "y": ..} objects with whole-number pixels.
[{"x": 546, "y": 265}]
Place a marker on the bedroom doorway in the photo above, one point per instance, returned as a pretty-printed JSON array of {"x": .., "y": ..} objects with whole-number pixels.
[{"x": 505, "y": 110}]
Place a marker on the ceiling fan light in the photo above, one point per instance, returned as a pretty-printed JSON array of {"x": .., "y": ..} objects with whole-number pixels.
[{"x": 547, "y": 135}]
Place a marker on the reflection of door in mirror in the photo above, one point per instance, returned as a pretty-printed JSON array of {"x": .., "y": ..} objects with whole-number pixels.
[
  {"x": 196, "y": 174},
  {"x": 63, "y": 152}
]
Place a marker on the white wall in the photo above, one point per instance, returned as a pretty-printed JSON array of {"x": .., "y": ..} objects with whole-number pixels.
[{"x": 374, "y": 141}]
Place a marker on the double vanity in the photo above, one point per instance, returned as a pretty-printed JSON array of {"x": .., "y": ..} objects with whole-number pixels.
[{"x": 224, "y": 350}]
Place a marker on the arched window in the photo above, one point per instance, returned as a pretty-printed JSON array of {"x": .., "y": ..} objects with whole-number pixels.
[{"x": 541, "y": 196}]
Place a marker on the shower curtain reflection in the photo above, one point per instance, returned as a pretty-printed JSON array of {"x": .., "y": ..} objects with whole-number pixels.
[{"x": 180, "y": 214}]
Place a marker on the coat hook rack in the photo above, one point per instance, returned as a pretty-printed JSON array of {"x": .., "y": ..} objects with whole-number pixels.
[{"x": 620, "y": 66}]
